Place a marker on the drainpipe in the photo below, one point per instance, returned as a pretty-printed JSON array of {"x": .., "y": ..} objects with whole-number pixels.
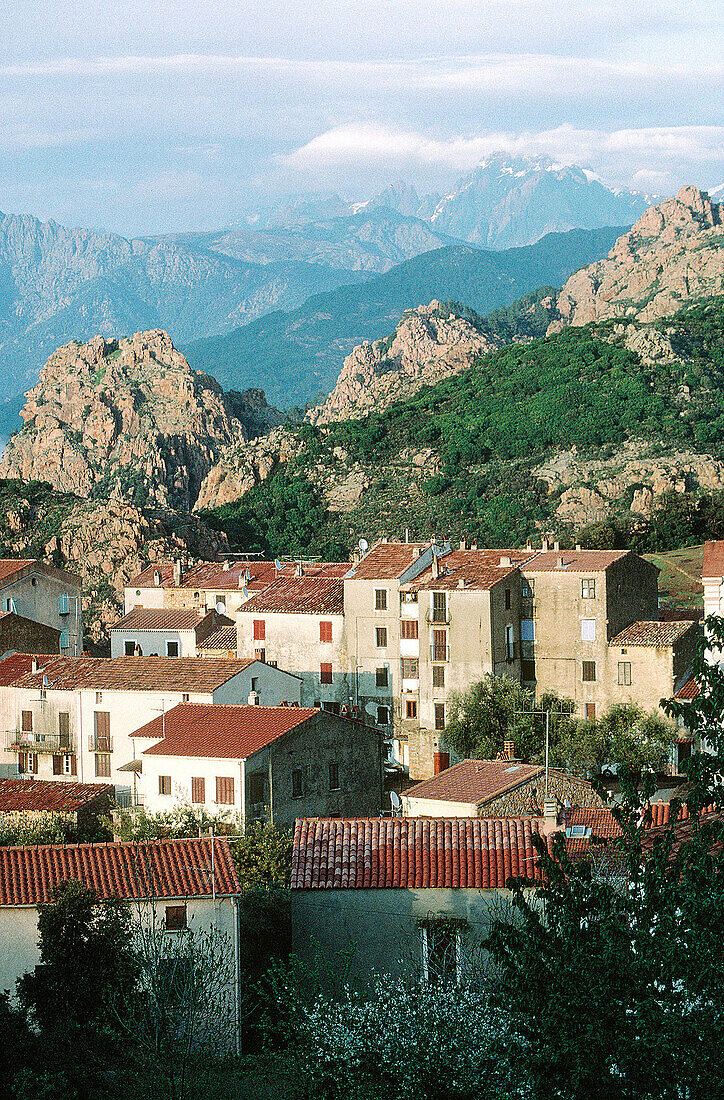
[
  {"x": 242, "y": 784},
  {"x": 237, "y": 978}
]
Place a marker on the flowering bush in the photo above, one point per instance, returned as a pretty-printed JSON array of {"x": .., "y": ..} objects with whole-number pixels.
[{"x": 410, "y": 1043}]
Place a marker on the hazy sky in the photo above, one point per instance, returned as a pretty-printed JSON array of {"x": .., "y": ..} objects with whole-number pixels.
[{"x": 164, "y": 115}]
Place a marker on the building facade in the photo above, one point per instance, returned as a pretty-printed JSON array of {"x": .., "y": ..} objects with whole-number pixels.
[{"x": 33, "y": 590}]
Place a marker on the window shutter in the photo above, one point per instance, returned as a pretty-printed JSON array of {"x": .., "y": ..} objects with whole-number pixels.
[
  {"x": 259, "y": 630},
  {"x": 325, "y": 631},
  {"x": 325, "y": 673},
  {"x": 73, "y": 765},
  {"x": 57, "y": 765}
]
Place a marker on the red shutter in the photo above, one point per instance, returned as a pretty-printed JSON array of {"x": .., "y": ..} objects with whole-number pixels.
[
  {"x": 259, "y": 630},
  {"x": 225, "y": 790},
  {"x": 27, "y": 721},
  {"x": 325, "y": 672},
  {"x": 73, "y": 765},
  {"x": 325, "y": 631},
  {"x": 198, "y": 789},
  {"x": 57, "y": 765},
  {"x": 408, "y": 628}
]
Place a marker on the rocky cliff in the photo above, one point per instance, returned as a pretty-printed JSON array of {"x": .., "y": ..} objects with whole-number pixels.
[
  {"x": 674, "y": 252},
  {"x": 429, "y": 343},
  {"x": 129, "y": 419}
]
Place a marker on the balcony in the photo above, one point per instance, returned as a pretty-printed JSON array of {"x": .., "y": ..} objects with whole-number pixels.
[
  {"x": 438, "y": 616},
  {"x": 99, "y": 743},
  {"x": 30, "y": 741},
  {"x": 439, "y": 653}
]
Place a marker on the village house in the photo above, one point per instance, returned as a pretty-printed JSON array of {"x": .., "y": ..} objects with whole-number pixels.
[
  {"x": 21, "y": 635},
  {"x": 222, "y": 643},
  {"x": 33, "y": 590},
  {"x": 162, "y": 632},
  {"x": 81, "y": 804},
  {"x": 74, "y": 716},
  {"x": 260, "y": 762},
  {"x": 404, "y": 897},
  {"x": 172, "y": 886}
]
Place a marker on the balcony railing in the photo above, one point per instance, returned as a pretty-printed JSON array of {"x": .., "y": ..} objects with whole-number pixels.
[
  {"x": 439, "y": 653},
  {"x": 30, "y": 741},
  {"x": 99, "y": 743},
  {"x": 438, "y": 615}
]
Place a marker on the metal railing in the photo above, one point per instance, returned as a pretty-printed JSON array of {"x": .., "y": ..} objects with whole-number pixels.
[
  {"x": 99, "y": 743},
  {"x": 439, "y": 653},
  {"x": 438, "y": 615},
  {"x": 30, "y": 741}
]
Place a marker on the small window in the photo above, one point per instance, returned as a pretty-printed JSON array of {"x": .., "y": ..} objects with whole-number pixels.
[
  {"x": 259, "y": 630},
  {"x": 509, "y": 642},
  {"x": 63, "y": 603},
  {"x": 439, "y": 716},
  {"x": 325, "y": 672},
  {"x": 408, "y": 629},
  {"x": 260, "y": 655},
  {"x": 334, "y": 777},
  {"x": 256, "y": 788},
  {"x": 10, "y": 604},
  {"x": 410, "y": 708},
  {"x": 410, "y": 668},
  {"x": 590, "y": 710},
  {"x": 527, "y": 589},
  {"x": 589, "y": 672},
  {"x": 588, "y": 588},
  {"x": 438, "y": 676},
  {"x": 27, "y": 763},
  {"x": 325, "y": 631},
  {"x": 64, "y": 729},
  {"x": 164, "y": 784},
  {"x": 588, "y": 630},
  {"x": 99, "y": 697},
  {"x": 381, "y": 637},
  {"x": 185, "y": 697},
  {"x": 172, "y": 649},
  {"x": 225, "y": 790},
  {"x": 383, "y": 716},
  {"x": 175, "y": 918},
  {"x": 69, "y": 764},
  {"x": 441, "y": 951},
  {"x": 27, "y": 721},
  {"x": 624, "y": 672},
  {"x": 103, "y": 766},
  {"x": 380, "y": 599},
  {"x": 527, "y": 630},
  {"x": 198, "y": 789},
  {"x": 528, "y": 670},
  {"x": 129, "y": 647},
  {"x": 297, "y": 783},
  {"x": 507, "y": 599},
  {"x": 64, "y": 640},
  {"x": 381, "y": 678}
]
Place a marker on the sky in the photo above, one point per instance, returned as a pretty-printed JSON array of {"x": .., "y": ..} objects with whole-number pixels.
[{"x": 168, "y": 115}]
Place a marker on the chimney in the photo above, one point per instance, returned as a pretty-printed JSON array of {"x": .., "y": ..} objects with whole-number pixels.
[
  {"x": 157, "y": 577},
  {"x": 415, "y": 553},
  {"x": 442, "y": 762},
  {"x": 578, "y": 546},
  {"x": 556, "y": 545},
  {"x": 225, "y": 565},
  {"x": 473, "y": 545},
  {"x": 34, "y": 664},
  {"x": 463, "y": 544},
  {"x": 299, "y": 570},
  {"x": 559, "y": 562},
  {"x": 550, "y": 810},
  {"x": 253, "y": 699},
  {"x": 461, "y": 582},
  {"x": 528, "y": 546},
  {"x": 505, "y": 562},
  {"x": 508, "y": 750},
  {"x": 177, "y": 572},
  {"x": 544, "y": 545},
  {"x": 435, "y": 567}
]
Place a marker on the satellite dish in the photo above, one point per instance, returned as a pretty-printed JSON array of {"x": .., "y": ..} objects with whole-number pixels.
[
  {"x": 245, "y": 593},
  {"x": 396, "y": 803},
  {"x": 363, "y": 545},
  {"x": 277, "y": 564}
]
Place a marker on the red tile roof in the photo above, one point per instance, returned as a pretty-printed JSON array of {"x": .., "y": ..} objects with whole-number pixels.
[
  {"x": 10, "y": 566},
  {"x": 17, "y": 665},
  {"x": 387, "y": 560},
  {"x": 23, "y": 795},
  {"x": 601, "y": 822},
  {"x": 146, "y": 578},
  {"x": 223, "y": 639},
  {"x": 689, "y": 690},
  {"x": 412, "y": 853},
  {"x": 574, "y": 561},
  {"x": 160, "y": 618},
  {"x": 300, "y": 596},
  {"x": 479, "y": 569},
  {"x": 221, "y": 731},
  {"x": 203, "y": 674},
  {"x": 155, "y": 869},
  {"x": 475, "y": 781},
  {"x": 212, "y": 575},
  {"x": 713, "y": 564},
  {"x": 653, "y": 634}
]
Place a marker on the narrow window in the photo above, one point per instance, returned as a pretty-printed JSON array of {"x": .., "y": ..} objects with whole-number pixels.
[
  {"x": 103, "y": 765},
  {"x": 410, "y": 668},
  {"x": 256, "y": 788},
  {"x": 259, "y": 630},
  {"x": 102, "y": 731},
  {"x": 439, "y": 645},
  {"x": 175, "y": 918},
  {"x": 297, "y": 783},
  {"x": 334, "y": 777},
  {"x": 439, "y": 716},
  {"x": 64, "y": 729},
  {"x": 69, "y": 764},
  {"x": 27, "y": 721},
  {"x": 381, "y": 637},
  {"x": 225, "y": 790},
  {"x": 509, "y": 643},
  {"x": 589, "y": 672},
  {"x": 172, "y": 649},
  {"x": 381, "y": 680},
  {"x": 260, "y": 655},
  {"x": 590, "y": 710},
  {"x": 383, "y": 716},
  {"x": 507, "y": 599},
  {"x": 325, "y": 631},
  {"x": 408, "y": 629},
  {"x": 198, "y": 789},
  {"x": 438, "y": 676},
  {"x": 99, "y": 697},
  {"x": 380, "y": 599},
  {"x": 588, "y": 630},
  {"x": 624, "y": 672},
  {"x": 410, "y": 708},
  {"x": 185, "y": 697},
  {"x": 164, "y": 784},
  {"x": 440, "y": 952},
  {"x": 325, "y": 672},
  {"x": 439, "y": 607}
]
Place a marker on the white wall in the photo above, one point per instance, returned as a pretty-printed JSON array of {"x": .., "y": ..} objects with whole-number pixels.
[
  {"x": 293, "y": 642},
  {"x": 153, "y": 641},
  {"x": 435, "y": 807},
  {"x": 182, "y": 769}
]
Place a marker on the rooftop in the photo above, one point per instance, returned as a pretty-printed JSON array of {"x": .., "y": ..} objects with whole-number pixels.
[
  {"x": 160, "y": 618},
  {"x": 23, "y": 795},
  {"x": 300, "y": 596},
  {"x": 653, "y": 634},
  {"x": 223, "y": 639},
  {"x": 154, "y": 869},
  {"x": 9, "y": 567},
  {"x": 221, "y": 731},
  {"x": 203, "y": 674},
  {"x": 689, "y": 690},
  {"x": 412, "y": 853},
  {"x": 17, "y": 665},
  {"x": 478, "y": 569},
  {"x": 253, "y": 575},
  {"x": 474, "y": 781},
  {"x": 386, "y": 560},
  {"x": 713, "y": 565},
  {"x": 574, "y": 561}
]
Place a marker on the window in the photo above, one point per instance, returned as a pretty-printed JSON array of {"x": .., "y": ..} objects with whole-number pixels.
[
  {"x": 438, "y": 676},
  {"x": 64, "y": 640},
  {"x": 589, "y": 672},
  {"x": 164, "y": 784},
  {"x": 175, "y": 918},
  {"x": 381, "y": 679},
  {"x": 334, "y": 777},
  {"x": 172, "y": 649},
  {"x": 410, "y": 708},
  {"x": 588, "y": 630},
  {"x": 439, "y": 716},
  {"x": 102, "y": 730},
  {"x": 590, "y": 710},
  {"x": 63, "y": 603},
  {"x": 527, "y": 589},
  {"x": 507, "y": 599},
  {"x": 441, "y": 950},
  {"x": 10, "y": 604},
  {"x": 260, "y": 655},
  {"x": 256, "y": 788},
  {"x": 99, "y": 697},
  {"x": 225, "y": 790},
  {"x": 103, "y": 767},
  {"x": 383, "y": 716},
  {"x": 198, "y": 789},
  {"x": 259, "y": 630},
  {"x": 27, "y": 721},
  {"x": 439, "y": 607},
  {"x": 588, "y": 588},
  {"x": 381, "y": 637},
  {"x": 57, "y": 764},
  {"x": 297, "y": 782},
  {"x": 408, "y": 629},
  {"x": 509, "y": 642},
  {"x": 69, "y": 764},
  {"x": 185, "y": 695},
  {"x": 220, "y": 602},
  {"x": 325, "y": 631},
  {"x": 624, "y": 672},
  {"x": 528, "y": 670},
  {"x": 527, "y": 630},
  {"x": 439, "y": 645},
  {"x": 380, "y": 599},
  {"x": 129, "y": 647},
  {"x": 27, "y": 763},
  {"x": 325, "y": 672},
  {"x": 64, "y": 729},
  {"x": 410, "y": 668}
]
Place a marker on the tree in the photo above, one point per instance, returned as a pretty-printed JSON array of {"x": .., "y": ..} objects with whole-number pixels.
[
  {"x": 488, "y": 714},
  {"x": 263, "y": 856},
  {"x": 184, "y": 820},
  {"x": 625, "y": 736}
]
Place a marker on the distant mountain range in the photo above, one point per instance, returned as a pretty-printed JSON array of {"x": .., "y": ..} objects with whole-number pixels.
[{"x": 296, "y": 356}]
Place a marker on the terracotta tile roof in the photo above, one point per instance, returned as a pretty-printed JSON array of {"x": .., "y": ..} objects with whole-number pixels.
[
  {"x": 412, "y": 853},
  {"x": 476, "y": 781},
  {"x": 689, "y": 690},
  {"x": 713, "y": 564},
  {"x": 155, "y": 869},
  {"x": 387, "y": 560},
  {"x": 203, "y": 674},
  {"x": 23, "y": 795},
  {"x": 574, "y": 561},
  {"x": 159, "y": 618},
  {"x": 17, "y": 665},
  {"x": 10, "y": 566},
  {"x": 601, "y": 822},
  {"x": 480, "y": 569},
  {"x": 300, "y": 596},
  {"x": 654, "y": 634},
  {"x": 212, "y": 575},
  {"x": 223, "y": 639},
  {"x": 221, "y": 731}
]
